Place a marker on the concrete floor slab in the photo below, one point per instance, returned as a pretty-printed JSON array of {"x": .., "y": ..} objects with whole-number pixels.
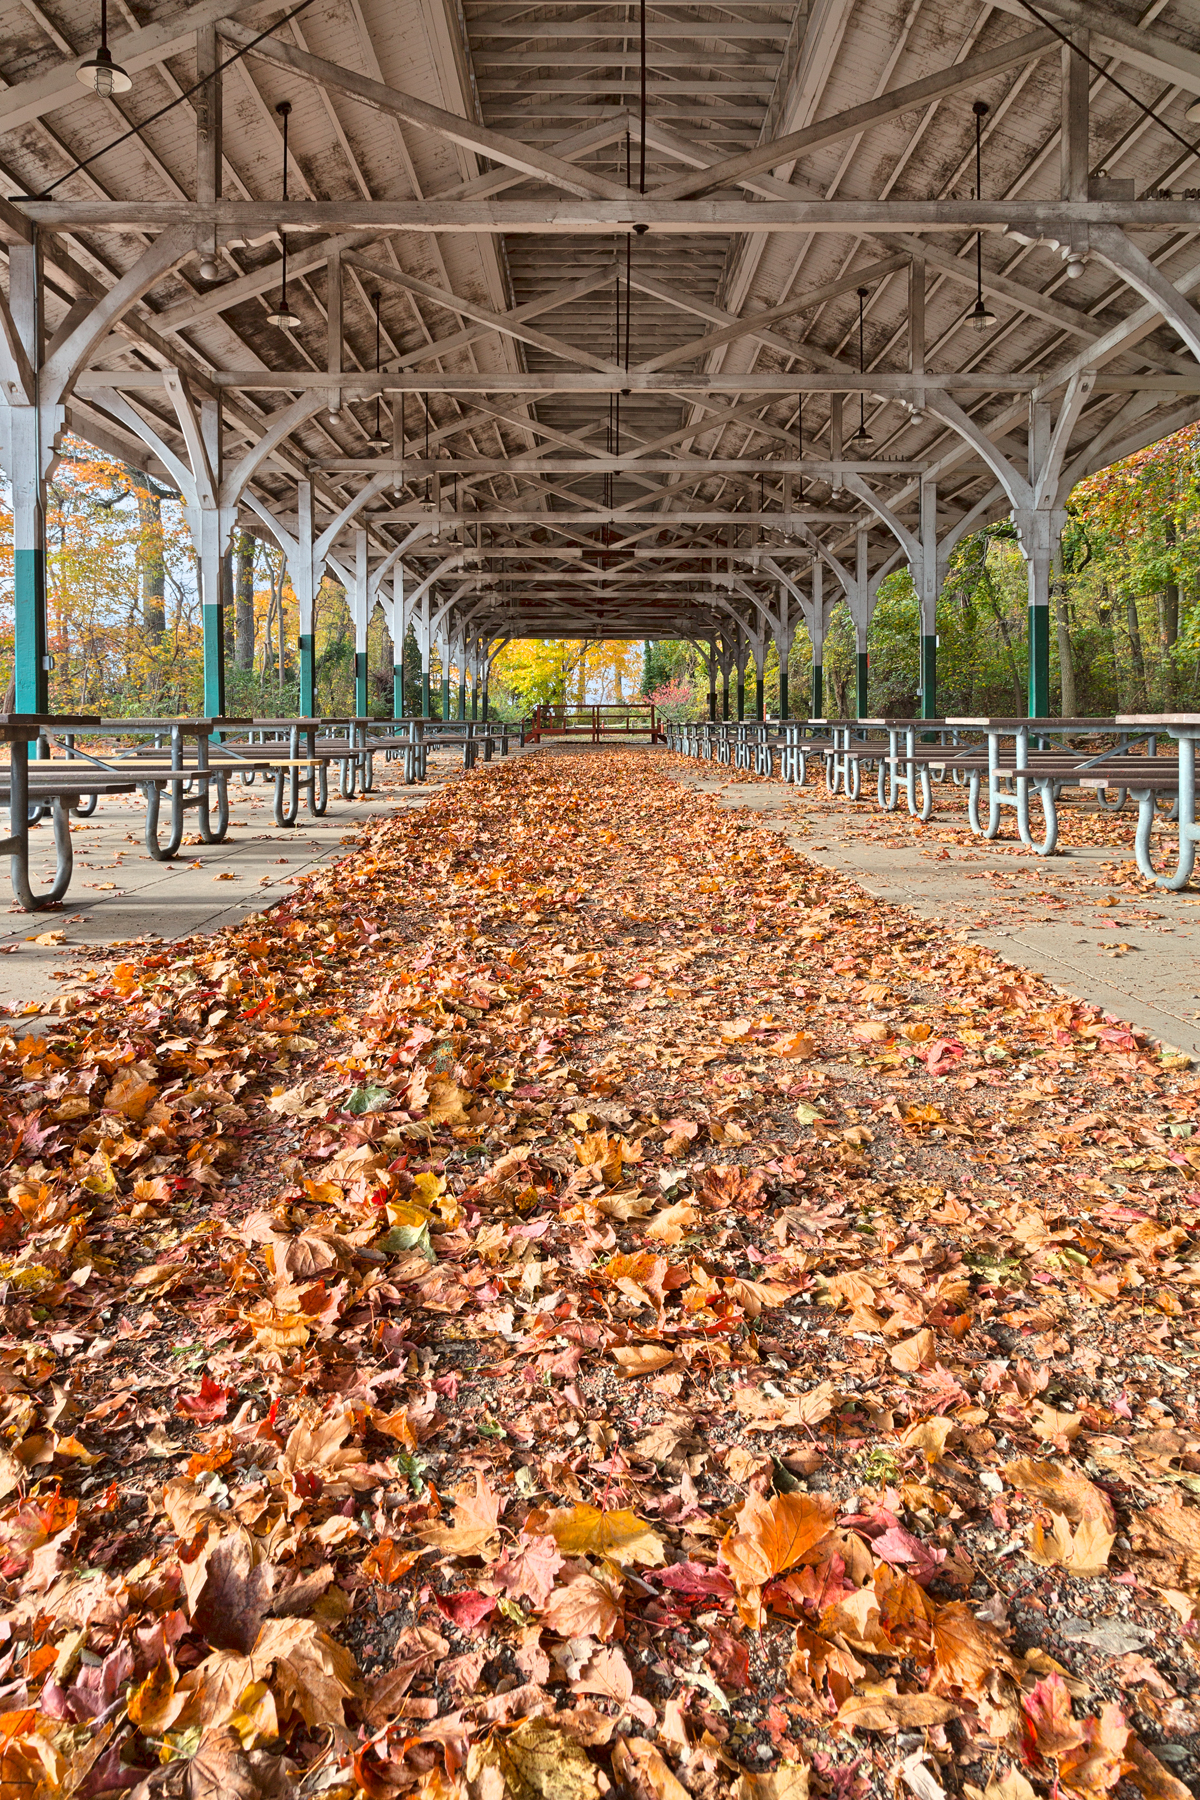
[
  {"x": 119, "y": 894},
  {"x": 1083, "y": 918}
]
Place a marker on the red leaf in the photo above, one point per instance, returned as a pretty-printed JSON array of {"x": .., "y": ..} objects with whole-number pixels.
[
  {"x": 467, "y": 1610},
  {"x": 210, "y": 1404}
]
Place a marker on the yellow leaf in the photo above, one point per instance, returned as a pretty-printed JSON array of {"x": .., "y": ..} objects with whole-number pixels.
[
  {"x": 588, "y": 1531},
  {"x": 537, "y": 1761},
  {"x": 1084, "y": 1551}
]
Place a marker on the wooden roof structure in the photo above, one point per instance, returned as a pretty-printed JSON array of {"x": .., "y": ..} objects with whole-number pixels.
[{"x": 610, "y": 319}]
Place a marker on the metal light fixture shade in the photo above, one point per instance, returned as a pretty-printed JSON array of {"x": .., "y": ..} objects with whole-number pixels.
[
  {"x": 283, "y": 317},
  {"x": 100, "y": 72},
  {"x": 1192, "y": 115},
  {"x": 980, "y": 317},
  {"x": 103, "y": 75}
]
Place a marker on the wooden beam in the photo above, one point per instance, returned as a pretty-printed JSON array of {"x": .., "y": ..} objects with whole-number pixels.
[
  {"x": 362, "y": 386},
  {"x": 550, "y": 218}
]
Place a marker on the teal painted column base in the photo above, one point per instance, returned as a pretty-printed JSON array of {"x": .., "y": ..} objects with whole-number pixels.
[
  {"x": 474, "y": 701},
  {"x": 398, "y": 690},
  {"x": 759, "y": 698},
  {"x": 818, "y": 691},
  {"x": 214, "y": 660},
  {"x": 712, "y": 706},
  {"x": 783, "y": 694},
  {"x": 360, "y": 683},
  {"x": 426, "y": 696},
  {"x": 308, "y": 676},
  {"x": 929, "y": 698},
  {"x": 725, "y": 702},
  {"x": 1039, "y": 662},
  {"x": 741, "y": 697},
  {"x": 445, "y": 696},
  {"x": 862, "y": 686},
  {"x": 31, "y": 677},
  {"x": 462, "y": 699}
]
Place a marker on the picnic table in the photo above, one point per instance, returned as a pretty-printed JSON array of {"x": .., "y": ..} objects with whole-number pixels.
[
  {"x": 1150, "y": 785},
  {"x": 48, "y": 785}
]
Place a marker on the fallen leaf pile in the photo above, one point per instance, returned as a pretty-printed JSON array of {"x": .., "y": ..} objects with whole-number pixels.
[{"x": 579, "y": 1300}]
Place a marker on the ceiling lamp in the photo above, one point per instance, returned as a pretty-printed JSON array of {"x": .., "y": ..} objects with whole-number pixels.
[
  {"x": 980, "y": 315},
  {"x": 100, "y": 72},
  {"x": 862, "y": 436},
  {"x": 378, "y": 442},
  {"x": 283, "y": 316}
]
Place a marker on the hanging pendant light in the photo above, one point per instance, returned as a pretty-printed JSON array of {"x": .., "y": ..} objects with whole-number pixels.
[
  {"x": 862, "y": 436},
  {"x": 378, "y": 442},
  {"x": 980, "y": 316},
  {"x": 283, "y": 316},
  {"x": 100, "y": 72}
]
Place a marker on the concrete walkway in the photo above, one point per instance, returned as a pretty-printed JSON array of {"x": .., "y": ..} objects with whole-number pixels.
[
  {"x": 120, "y": 896},
  {"x": 1083, "y": 918}
]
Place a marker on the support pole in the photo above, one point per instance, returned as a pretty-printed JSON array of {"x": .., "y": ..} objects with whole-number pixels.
[
  {"x": 712, "y": 681},
  {"x": 305, "y": 598},
  {"x": 361, "y": 624},
  {"x": 211, "y": 555},
  {"x": 462, "y": 682},
  {"x": 862, "y": 684},
  {"x": 28, "y": 461},
  {"x": 1039, "y": 536},
  {"x": 445, "y": 680},
  {"x": 399, "y": 634},
  {"x": 783, "y": 691},
  {"x": 926, "y": 582}
]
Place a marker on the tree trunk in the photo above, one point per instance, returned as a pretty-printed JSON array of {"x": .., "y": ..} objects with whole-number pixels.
[
  {"x": 243, "y": 638},
  {"x": 1066, "y": 661},
  {"x": 1135, "y": 645},
  {"x": 150, "y": 556},
  {"x": 1014, "y": 674}
]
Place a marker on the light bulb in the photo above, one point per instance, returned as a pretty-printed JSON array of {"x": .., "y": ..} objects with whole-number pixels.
[{"x": 210, "y": 269}]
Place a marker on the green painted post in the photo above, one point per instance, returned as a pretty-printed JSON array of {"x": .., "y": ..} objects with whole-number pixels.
[
  {"x": 741, "y": 695},
  {"x": 759, "y": 696},
  {"x": 426, "y": 696},
  {"x": 445, "y": 691},
  {"x": 213, "y": 620},
  {"x": 783, "y": 694},
  {"x": 308, "y": 676},
  {"x": 818, "y": 691},
  {"x": 1039, "y": 662},
  {"x": 360, "y": 683},
  {"x": 725, "y": 695},
  {"x": 398, "y": 681},
  {"x": 31, "y": 676},
  {"x": 862, "y": 685},
  {"x": 929, "y": 708}
]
